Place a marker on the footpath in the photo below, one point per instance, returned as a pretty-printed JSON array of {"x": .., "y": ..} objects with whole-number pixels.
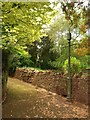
[{"x": 25, "y": 100}]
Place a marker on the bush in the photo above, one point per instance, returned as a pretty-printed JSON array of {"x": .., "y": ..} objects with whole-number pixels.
[
  {"x": 57, "y": 64},
  {"x": 25, "y": 61},
  {"x": 19, "y": 60},
  {"x": 84, "y": 62},
  {"x": 75, "y": 65},
  {"x": 13, "y": 63}
]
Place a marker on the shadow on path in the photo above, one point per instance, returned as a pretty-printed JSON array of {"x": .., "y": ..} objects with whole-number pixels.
[{"x": 27, "y": 101}]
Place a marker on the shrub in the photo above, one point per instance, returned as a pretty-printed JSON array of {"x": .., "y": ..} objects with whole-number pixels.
[
  {"x": 75, "y": 65},
  {"x": 13, "y": 63},
  {"x": 57, "y": 64},
  {"x": 84, "y": 62},
  {"x": 25, "y": 61},
  {"x": 22, "y": 59}
]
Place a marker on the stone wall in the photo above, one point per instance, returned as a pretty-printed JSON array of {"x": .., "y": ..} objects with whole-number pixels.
[{"x": 55, "y": 82}]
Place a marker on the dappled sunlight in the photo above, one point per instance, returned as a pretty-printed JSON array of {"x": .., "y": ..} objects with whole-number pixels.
[{"x": 45, "y": 54}]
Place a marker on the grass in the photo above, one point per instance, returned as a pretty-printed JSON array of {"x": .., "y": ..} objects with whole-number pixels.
[{"x": 32, "y": 68}]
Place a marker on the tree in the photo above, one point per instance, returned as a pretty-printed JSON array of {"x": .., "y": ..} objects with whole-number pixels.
[
  {"x": 47, "y": 53},
  {"x": 33, "y": 51},
  {"x": 21, "y": 25},
  {"x": 42, "y": 53},
  {"x": 76, "y": 13},
  {"x": 71, "y": 16}
]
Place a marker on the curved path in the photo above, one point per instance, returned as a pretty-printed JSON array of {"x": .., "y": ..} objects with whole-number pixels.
[{"x": 27, "y": 101}]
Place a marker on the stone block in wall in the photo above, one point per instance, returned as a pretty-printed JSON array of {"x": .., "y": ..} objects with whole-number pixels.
[{"x": 55, "y": 82}]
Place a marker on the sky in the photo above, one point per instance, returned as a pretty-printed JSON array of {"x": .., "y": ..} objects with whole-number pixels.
[{"x": 84, "y": 1}]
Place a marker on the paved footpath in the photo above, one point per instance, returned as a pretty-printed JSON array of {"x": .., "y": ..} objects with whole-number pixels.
[{"x": 27, "y": 101}]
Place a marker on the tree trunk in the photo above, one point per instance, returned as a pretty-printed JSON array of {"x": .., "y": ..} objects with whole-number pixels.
[
  {"x": 5, "y": 57},
  {"x": 4, "y": 84}
]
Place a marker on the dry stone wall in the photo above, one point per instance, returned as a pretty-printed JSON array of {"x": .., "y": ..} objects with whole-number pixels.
[{"x": 55, "y": 82}]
